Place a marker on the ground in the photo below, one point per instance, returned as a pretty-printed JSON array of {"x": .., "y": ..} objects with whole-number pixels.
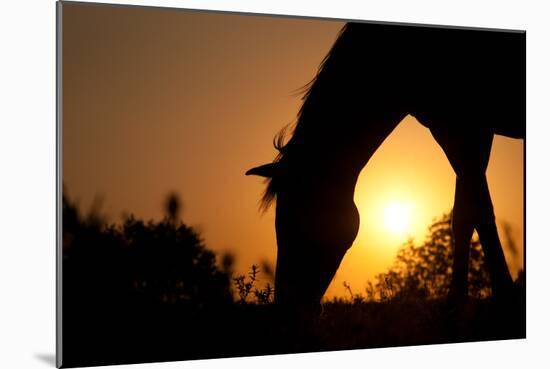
[{"x": 163, "y": 334}]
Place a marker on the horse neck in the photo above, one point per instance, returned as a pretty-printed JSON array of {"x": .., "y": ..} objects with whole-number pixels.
[
  {"x": 340, "y": 153},
  {"x": 350, "y": 108}
]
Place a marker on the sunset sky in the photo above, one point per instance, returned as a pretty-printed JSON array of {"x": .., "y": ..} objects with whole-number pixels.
[{"x": 156, "y": 101}]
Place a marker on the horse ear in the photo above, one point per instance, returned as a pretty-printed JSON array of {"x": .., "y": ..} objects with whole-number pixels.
[{"x": 266, "y": 170}]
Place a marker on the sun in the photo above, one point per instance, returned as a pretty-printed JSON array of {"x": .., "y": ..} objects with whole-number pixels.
[{"x": 397, "y": 218}]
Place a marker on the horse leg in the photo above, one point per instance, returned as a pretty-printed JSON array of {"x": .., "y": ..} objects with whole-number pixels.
[
  {"x": 501, "y": 280},
  {"x": 477, "y": 195},
  {"x": 463, "y": 229},
  {"x": 468, "y": 153}
]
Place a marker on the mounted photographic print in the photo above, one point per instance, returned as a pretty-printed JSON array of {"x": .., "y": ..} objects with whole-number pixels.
[{"x": 243, "y": 184}]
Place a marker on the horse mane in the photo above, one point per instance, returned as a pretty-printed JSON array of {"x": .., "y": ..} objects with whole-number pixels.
[{"x": 302, "y": 125}]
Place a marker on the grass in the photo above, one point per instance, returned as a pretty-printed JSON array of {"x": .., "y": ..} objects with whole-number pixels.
[
  {"x": 252, "y": 326},
  {"x": 152, "y": 291}
]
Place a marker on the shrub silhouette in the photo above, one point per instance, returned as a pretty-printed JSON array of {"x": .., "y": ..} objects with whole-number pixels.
[
  {"x": 153, "y": 262},
  {"x": 245, "y": 285},
  {"x": 424, "y": 271}
]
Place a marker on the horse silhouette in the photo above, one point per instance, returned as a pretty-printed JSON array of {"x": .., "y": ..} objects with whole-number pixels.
[{"x": 465, "y": 85}]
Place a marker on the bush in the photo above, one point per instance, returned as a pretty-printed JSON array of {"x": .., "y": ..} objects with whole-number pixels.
[
  {"x": 424, "y": 271},
  {"x": 162, "y": 262}
]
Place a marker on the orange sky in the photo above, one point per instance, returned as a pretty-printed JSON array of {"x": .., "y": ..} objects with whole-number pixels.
[{"x": 158, "y": 100}]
